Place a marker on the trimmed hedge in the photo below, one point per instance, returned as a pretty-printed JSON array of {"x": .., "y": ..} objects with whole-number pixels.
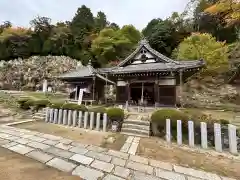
[
  {"x": 56, "y": 105},
  {"x": 73, "y": 106},
  {"x": 24, "y": 103},
  {"x": 39, "y": 104},
  {"x": 158, "y": 121},
  {"x": 115, "y": 114},
  {"x": 101, "y": 110}
]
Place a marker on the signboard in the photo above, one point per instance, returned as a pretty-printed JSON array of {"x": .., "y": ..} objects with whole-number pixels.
[
  {"x": 80, "y": 97},
  {"x": 167, "y": 82},
  {"x": 121, "y": 83},
  {"x": 44, "y": 86}
]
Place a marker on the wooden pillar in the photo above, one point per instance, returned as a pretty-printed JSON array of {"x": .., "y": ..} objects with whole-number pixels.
[
  {"x": 142, "y": 93},
  {"x": 105, "y": 90},
  {"x": 156, "y": 93},
  {"x": 181, "y": 84},
  {"x": 93, "y": 93},
  {"x": 76, "y": 92},
  {"x": 128, "y": 92}
]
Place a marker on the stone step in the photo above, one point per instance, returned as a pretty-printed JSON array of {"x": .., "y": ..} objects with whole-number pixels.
[
  {"x": 135, "y": 131},
  {"x": 138, "y": 122},
  {"x": 38, "y": 117},
  {"x": 133, "y": 134},
  {"x": 136, "y": 126},
  {"x": 40, "y": 114}
]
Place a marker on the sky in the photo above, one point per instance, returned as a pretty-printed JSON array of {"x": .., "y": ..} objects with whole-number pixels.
[{"x": 122, "y": 12}]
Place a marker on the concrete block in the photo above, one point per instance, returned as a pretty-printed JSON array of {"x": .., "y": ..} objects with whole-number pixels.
[
  {"x": 82, "y": 159},
  {"x": 99, "y": 156},
  {"x": 21, "y": 149},
  {"x": 121, "y": 171},
  {"x": 140, "y": 167},
  {"x": 87, "y": 173},
  {"x": 40, "y": 156},
  {"x": 61, "y": 165},
  {"x": 103, "y": 166}
]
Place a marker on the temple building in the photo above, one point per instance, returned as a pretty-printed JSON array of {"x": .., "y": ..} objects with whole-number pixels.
[{"x": 145, "y": 77}]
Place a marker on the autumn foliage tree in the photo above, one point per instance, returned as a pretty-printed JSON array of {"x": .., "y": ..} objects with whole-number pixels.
[
  {"x": 203, "y": 46},
  {"x": 228, "y": 9}
]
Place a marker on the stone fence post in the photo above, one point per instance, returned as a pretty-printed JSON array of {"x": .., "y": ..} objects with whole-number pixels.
[
  {"x": 80, "y": 119},
  {"x": 168, "y": 130},
  {"x": 55, "y": 116},
  {"x": 85, "y": 120},
  {"x": 104, "y": 122},
  {"x": 191, "y": 133},
  {"x": 98, "y": 122},
  {"x": 217, "y": 137},
  {"x": 232, "y": 133},
  {"x": 60, "y": 116},
  {"x": 47, "y": 115}
]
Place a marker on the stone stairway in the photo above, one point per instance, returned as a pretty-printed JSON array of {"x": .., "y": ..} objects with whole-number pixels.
[
  {"x": 40, "y": 115},
  {"x": 134, "y": 125}
]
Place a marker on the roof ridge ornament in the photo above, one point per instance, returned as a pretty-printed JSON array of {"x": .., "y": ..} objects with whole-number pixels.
[{"x": 144, "y": 41}]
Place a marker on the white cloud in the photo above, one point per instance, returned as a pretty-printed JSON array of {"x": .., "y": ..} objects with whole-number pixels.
[{"x": 136, "y": 12}]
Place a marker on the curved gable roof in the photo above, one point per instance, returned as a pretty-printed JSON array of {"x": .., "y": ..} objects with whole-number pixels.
[{"x": 144, "y": 43}]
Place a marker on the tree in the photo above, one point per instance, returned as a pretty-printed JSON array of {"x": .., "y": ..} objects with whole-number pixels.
[
  {"x": 114, "y": 26},
  {"x": 229, "y": 10},
  {"x": 131, "y": 33},
  {"x": 100, "y": 21},
  {"x": 6, "y": 24},
  {"x": 109, "y": 45},
  {"x": 203, "y": 46},
  {"x": 60, "y": 41},
  {"x": 149, "y": 29},
  {"x": 161, "y": 36},
  {"x": 82, "y": 25},
  {"x": 14, "y": 43},
  {"x": 42, "y": 28},
  {"x": 213, "y": 23}
]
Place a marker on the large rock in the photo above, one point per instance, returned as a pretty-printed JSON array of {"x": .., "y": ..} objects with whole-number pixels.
[{"x": 28, "y": 74}]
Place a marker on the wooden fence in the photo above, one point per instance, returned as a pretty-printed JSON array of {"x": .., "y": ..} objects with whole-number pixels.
[
  {"x": 77, "y": 119},
  {"x": 232, "y": 139}
]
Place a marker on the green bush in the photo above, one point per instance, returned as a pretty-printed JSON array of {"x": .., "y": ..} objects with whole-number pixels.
[
  {"x": 39, "y": 104},
  {"x": 158, "y": 122},
  {"x": 101, "y": 110},
  {"x": 73, "y": 106},
  {"x": 115, "y": 114},
  {"x": 224, "y": 121},
  {"x": 56, "y": 105},
  {"x": 24, "y": 103}
]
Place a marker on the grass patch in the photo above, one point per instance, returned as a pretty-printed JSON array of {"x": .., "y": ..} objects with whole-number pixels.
[
  {"x": 50, "y": 96},
  {"x": 80, "y": 135},
  {"x": 9, "y": 102},
  {"x": 158, "y": 149}
]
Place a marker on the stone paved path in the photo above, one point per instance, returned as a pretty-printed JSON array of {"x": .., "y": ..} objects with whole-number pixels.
[
  {"x": 131, "y": 145},
  {"x": 92, "y": 162}
]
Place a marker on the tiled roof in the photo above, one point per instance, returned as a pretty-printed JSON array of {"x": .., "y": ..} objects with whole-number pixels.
[
  {"x": 84, "y": 71},
  {"x": 154, "y": 67}
]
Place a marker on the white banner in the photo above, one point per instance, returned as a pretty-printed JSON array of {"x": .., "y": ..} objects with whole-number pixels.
[{"x": 80, "y": 97}]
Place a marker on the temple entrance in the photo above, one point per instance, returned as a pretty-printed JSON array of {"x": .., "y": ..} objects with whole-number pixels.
[{"x": 142, "y": 93}]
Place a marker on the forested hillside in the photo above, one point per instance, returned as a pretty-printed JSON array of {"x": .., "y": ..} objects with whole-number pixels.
[{"x": 87, "y": 37}]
